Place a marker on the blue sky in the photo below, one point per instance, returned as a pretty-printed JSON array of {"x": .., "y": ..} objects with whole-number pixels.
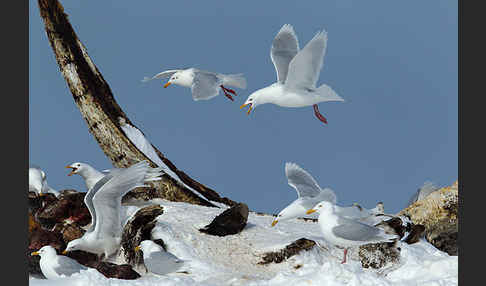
[{"x": 395, "y": 64}]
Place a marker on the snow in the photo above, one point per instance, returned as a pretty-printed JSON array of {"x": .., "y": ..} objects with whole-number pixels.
[
  {"x": 232, "y": 260},
  {"x": 137, "y": 138}
]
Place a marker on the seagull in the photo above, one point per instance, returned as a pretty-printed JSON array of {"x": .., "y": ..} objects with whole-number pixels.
[
  {"x": 204, "y": 84},
  {"x": 309, "y": 193},
  {"x": 347, "y": 232},
  {"x": 157, "y": 260},
  {"x": 104, "y": 202},
  {"x": 90, "y": 175},
  {"x": 297, "y": 74},
  {"x": 38, "y": 182},
  {"x": 55, "y": 266}
]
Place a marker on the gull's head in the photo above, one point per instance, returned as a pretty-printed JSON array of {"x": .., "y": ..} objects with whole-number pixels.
[
  {"x": 182, "y": 78},
  {"x": 75, "y": 244},
  {"x": 77, "y": 168},
  {"x": 323, "y": 206},
  {"x": 47, "y": 249},
  {"x": 148, "y": 246},
  {"x": 251, "y": 101},
  {"x": 286, "y": 214}
]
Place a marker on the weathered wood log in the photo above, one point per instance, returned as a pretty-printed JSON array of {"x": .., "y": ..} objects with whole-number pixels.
[{"x": 101, "y": 112}]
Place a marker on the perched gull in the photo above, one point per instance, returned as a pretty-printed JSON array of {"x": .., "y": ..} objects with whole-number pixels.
[
  {"x": 347, "y": 232},
  {"x": 104, "y": 201},
  {"x": 297, "y": 74},
  {"x": 309, "y": 193},
  {"x": 38, "y": 182},
  {"x": 157, "y": 260},
  {"x": 55, "y": 266},
  {"x": 204, "y": 84}
]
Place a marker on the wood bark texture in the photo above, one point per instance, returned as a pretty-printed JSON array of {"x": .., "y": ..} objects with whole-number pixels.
[{"x": 94, "y": 98}]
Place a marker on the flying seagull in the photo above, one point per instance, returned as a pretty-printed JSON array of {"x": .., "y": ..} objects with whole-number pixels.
[
  {"x": 204, "y": 84},
  {"x": 297, "y": 74}
]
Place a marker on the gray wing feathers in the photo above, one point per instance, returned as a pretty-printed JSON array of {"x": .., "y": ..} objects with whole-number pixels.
[
  {"x": 305, "y": 67},
  {"x": 284, "y": 48},
  {"x": 163, "y": 74},
  {"x": 67, "y": 266},
  {"x": 301, "y": 181},
  {"x": 162, "y": 262},
  {"x": 356, "y": 231},
  {"x": 88, "y": 200},
  {"x": 107, "y": 199},
  {"x": 205, "y": 85}
]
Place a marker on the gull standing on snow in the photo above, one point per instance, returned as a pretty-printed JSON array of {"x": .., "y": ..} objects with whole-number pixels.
[
  {"x": 309, "y": 193},
  {"x": 346, "y": 232},
  {"x": 297, "y": 74},
  {"x": 38, "y": 182},
  {"x": 55, "y": 266},
  {"x": 204, "y": 84},
  {"x": 104, "y": 202},
  {"x": 157, "y": 260}
]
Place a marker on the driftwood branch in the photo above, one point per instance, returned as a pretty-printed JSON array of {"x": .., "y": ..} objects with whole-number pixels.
[{"x": 95, "y": 101}]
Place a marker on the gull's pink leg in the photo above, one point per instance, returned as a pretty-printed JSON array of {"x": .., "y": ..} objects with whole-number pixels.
[
  {"x": 344, "y": 259},
  {"x": 318, "y": 114},
  {"x": 226, "y": 90}
]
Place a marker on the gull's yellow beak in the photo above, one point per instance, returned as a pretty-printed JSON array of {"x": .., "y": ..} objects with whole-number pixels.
[
  {"x": 249, "y": 109},
  {"x": 311, "y": 211},
  {"x": 167, "y": 84},
  {"x": 137, "y": 248},
  {"x": 34, "y": 253},
  {"x": 274, "y": 223},
  {"x": 72, "y": 171},
  {"x": 64, "y": 252}
]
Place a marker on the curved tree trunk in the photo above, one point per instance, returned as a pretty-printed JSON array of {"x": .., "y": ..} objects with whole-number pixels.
[{"x": 103, "y": 115}]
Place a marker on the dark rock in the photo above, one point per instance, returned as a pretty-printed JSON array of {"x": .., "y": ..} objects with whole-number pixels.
[
  {"x": 33, "y": 265},
  {"x": 69, "y": 231},
  {"x": 36, "y": 202},
  {"x": 40, "y": 237},
  {"x": 290, "y": 250},
  {"x": 446, "y": 242},
  {"x": 394, "y": 226},
  {"x": 416, "y": 232},
  {"x": 378, "y": 255},
  {"x": 85, "y": 258},
  {"x": 111, "y": 270},
  {"x": 70, "y": 204},
  {"x": 139, "y": 228},
  {"x": 231, "y": 221}
]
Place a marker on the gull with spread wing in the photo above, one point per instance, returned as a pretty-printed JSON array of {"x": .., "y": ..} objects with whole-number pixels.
[
  {"x": 104, "y": 202},
  {"x": 297, "y": 74},
  {"x": 309, "y": 193},
  {"x": 204, "y": 84}
]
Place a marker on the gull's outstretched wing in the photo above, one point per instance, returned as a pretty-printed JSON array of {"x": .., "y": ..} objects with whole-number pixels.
[
  {"x": 205, "y": 85},
  {"x": 67, "y": 266},
  {"x": 107, "y": 200},
  {"x": 35, "y": 179},
  {"x": 88, "y": 200},
  {"x": 163, "y": 74},
  {"x": 353, "y": 230},
  {"x": 284, "y": 48},
  {"x": 305, "y": 67},
  {"x": 302, "y": 182}
]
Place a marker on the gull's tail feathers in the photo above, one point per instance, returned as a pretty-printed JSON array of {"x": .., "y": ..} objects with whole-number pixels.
[
  {"x": 328, "y": 94},
  {"x": 235, "y": 80}
]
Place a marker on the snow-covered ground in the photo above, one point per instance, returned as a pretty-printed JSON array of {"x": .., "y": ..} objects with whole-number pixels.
[{"x": 232, "y": 260}]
